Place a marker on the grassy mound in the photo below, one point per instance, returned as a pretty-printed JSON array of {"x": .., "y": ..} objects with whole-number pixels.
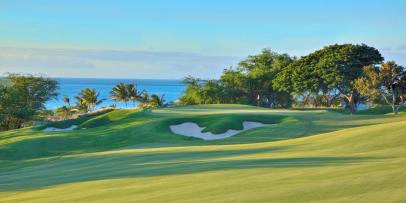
[
  {"x": 108, "y": 118},
  {"x": 77, "y": 121}
]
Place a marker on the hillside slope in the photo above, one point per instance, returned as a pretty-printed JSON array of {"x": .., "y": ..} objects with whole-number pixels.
[{"x": 333, "y": 158}]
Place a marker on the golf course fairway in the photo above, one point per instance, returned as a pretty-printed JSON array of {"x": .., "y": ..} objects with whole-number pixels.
[{"x": 132, "y": 156}]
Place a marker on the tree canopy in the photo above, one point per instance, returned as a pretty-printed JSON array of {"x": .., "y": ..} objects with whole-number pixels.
[
  {"x": 387, "y": 81},
  {"x": 22, "y": 96},
  {"x": 249, "y": 83},
  {"x": 335, "y": 67},
  {"x": 89, "y": 99}
]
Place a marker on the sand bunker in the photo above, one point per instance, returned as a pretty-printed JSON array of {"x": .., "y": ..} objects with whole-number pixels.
[
  {"x": 193, "y": 130},
  {"x": 53, "y": 129}
]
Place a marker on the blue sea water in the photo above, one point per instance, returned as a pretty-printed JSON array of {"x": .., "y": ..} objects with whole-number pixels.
[{"x": 172, "y": 89}]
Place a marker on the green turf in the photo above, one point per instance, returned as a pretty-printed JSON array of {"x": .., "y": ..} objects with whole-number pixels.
[
  {"x": 380, "y": 110},
  {"x": 131, "y": 156}
]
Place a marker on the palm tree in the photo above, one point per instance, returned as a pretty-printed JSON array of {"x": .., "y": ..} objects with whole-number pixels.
[
  {"x": 64, "y": 112},
  {"x": 157, "y": 101},
  {"x": 144, "y": 97},
  {"x": 91, "y": 98},
  {"x": 81, "y": 105},
  {"x": 66, "y": 100},
  {"x": 120, "y": 93},
  {"x": 133, "y": 94},
  {"x": 162, "y": 100}
]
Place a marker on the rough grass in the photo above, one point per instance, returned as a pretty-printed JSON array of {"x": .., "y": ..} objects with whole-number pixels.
[{"x": 135, "y": 158}]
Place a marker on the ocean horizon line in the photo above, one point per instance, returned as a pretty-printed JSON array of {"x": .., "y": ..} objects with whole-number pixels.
[
  {"x": 112, "y": 78},
  {"x": 102, "y": 78}
]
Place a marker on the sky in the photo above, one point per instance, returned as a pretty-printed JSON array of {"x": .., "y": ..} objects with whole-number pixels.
[{"x": 170, "y": 39}]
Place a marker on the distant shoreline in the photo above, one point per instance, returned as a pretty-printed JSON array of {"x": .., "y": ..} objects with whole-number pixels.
[
  {"x": 113, "y": 78},
  {"x": 172, "y": 89}
]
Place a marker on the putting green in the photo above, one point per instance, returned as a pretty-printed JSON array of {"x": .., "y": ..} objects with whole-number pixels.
[{"x": 131, "y": 156}]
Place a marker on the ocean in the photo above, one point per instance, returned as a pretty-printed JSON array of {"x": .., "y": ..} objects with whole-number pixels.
[{"x": 172, "y": 89}]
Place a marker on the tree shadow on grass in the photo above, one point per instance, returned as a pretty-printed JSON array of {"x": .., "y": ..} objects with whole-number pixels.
[{"x": 115, "y": 166}]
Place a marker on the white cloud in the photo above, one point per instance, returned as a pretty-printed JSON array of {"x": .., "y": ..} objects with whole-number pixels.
[
  {"x": 396, "y": 54},
  {"x": 402, "y": 47},
  {"x": 112, "y": 63}
]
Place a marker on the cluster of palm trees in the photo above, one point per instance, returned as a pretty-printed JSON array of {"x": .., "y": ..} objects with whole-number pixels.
[
  {"x": 88, "y": 99},
  {"x": 128, "y": 92},
  {"x": 125, "y": 93}
]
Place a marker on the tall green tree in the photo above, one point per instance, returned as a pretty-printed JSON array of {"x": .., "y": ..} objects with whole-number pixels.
[
  {"x": 193, "y": 93},
  {"x": 335, "y": 67},
  {"x": 22, "y": 96},
  {"x": 387, "y": 81},
  {"x": 202, "y": 92},
  {"x": 250, "y": 83},
  {"x": 13, "y": 109},
  {"x": 301, "y": 76},
  {"x": 232, "y": 84},
  {"x": 211, "y": 91},
  {"x": 341, "y": 65},
  {"x": 260, "y": 71}
]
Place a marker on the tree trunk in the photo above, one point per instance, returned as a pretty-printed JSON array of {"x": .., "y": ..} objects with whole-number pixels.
[
  {"x": 351, "y": 103},
  {"x": 258, "y": 99},
  {"x": 401, "y": 102},
  {"x": 395, "y": 110}
]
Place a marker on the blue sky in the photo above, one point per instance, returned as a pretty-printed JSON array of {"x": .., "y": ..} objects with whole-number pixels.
[{"x": 174, "y": 38}]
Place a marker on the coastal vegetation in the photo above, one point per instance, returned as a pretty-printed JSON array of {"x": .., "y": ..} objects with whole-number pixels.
[
  {"x": 121, "y": 93},
  {"x": 129, "y": 92},
  {"x": 340, "y": 76},
  {"x": 88, "y": 99},
  {"x": 22, "y": 97},
  {"x": 250, "y": 83},
  {"x": 334, "y": 68},
  {"x": 335, "y": 76}
]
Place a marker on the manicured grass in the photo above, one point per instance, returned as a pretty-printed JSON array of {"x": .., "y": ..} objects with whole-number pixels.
[
  {"x": 380, "y": 110},
  {"x": 131, "y": 156}
]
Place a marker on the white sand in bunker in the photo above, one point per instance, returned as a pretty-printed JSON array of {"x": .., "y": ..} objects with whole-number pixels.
[
  {"x": 193, "y": 130},
  {"x": 53, "y": 129}
]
